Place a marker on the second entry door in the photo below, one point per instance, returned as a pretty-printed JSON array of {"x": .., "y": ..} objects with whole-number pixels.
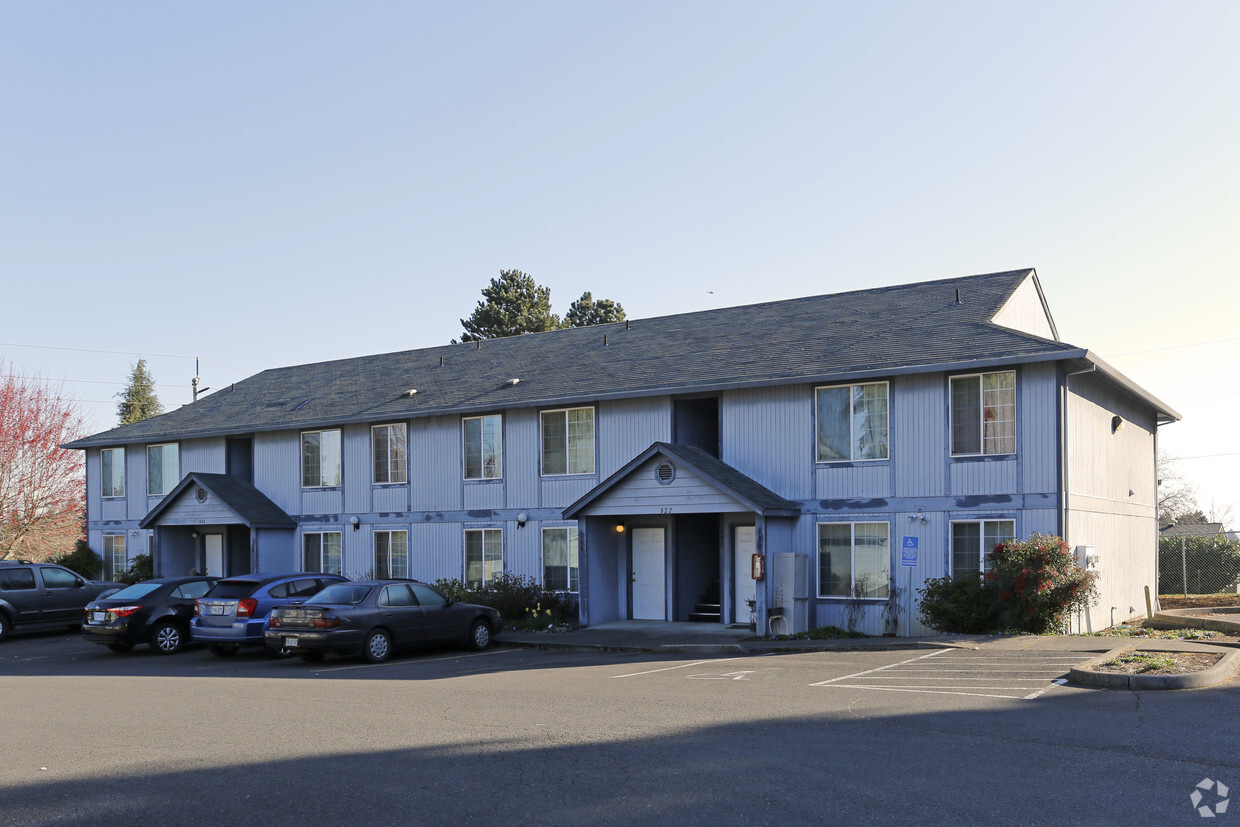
[{"x": 649, "y": 575}]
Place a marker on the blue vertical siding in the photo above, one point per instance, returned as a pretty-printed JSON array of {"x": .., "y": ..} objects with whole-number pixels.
[
  {"x": 436, "y": 550},
  {"x": 983, "y": 478},
  {"x": 135, "y": 482},
  {"x": 483, "y": 495},
  {"x": 94, "y": 486},
  {"x": 918, "y": 435},
  {"x": 435, "y": 464},
  {"x": 1037, "y": 422},
  {"x": 206, "y": 456},
  {"x": 767, "y": 434},
  {"x": 521, "y": 458},
  {"x": 357, "y": 473},
  {"x": 628, "y": 427},
  {"x": 863, "y": 480}
]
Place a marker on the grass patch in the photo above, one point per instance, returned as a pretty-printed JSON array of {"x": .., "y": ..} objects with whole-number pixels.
[
  {"x": 822, "y": 633},
  {"x": 1145, "y": 661},
  {"x": 1159, "y": 634}
]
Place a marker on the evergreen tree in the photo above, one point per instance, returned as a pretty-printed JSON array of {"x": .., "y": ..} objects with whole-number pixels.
[
  {"x": 138, "y": 400},
  {"x": 514, "y": 304},
  {"x": 586, "y": 311}
]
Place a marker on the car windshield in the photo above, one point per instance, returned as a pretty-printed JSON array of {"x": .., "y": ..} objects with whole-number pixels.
[
  {"x": 135, "y": 591},
  {"x": 341, "y": 593}
]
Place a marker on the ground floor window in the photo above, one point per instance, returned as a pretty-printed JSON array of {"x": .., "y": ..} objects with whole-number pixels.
[
  {"x": 560, "y": 570},
  {"x": 391, "y": 554},
  {"x": 973, "y": 540},
  {"x": 484, "y": 556},
  {"x": 114, "y": 561},
  {"x": 853, "y": 559},
  {"x": 322, "y": 551}
]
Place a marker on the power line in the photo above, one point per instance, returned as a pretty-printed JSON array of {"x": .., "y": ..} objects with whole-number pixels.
[
  {"x": 89, "y": 381},
  {"x": 1175, "y": 347},
  {"x": 125, "y": 353}
]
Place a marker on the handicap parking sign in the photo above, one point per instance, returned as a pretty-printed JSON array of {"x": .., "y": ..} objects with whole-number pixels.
[{"x": 908, "y": 552}]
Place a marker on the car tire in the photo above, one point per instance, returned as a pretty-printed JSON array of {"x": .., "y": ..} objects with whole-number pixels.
[
  {"x": 479, "y": 635},
  {"x": 4, "y": 626},
  {"x": 310, "y": 657},
  {"x": 378, "y": 646},
  {"x": 120, "y": 647},
  {"x": 167, "y": 639},
  {"x": 223, "y": 649}
]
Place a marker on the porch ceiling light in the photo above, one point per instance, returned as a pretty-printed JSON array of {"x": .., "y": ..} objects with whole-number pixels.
[{"x": 619, "y": 528}]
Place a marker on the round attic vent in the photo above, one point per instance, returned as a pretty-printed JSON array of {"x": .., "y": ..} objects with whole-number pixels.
[
  {"x": 665, "y": 473},
  {"x": 201, "y": 494}
]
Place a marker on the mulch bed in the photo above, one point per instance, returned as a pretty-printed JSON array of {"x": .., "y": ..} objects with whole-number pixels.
[
  {"x": 1171, "y": 601},
  {"x": 1184, "y": 662}
]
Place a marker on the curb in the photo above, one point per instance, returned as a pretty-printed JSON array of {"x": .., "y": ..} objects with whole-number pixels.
[
  {"x": 731, "y": 649},
  {"x": 1184, "y": 619},
  {"x": 1086, "y": 676}
]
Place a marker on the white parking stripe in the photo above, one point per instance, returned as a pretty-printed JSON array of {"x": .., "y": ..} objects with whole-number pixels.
[
  {"x": 670, "y": 668},
  {"x": 418, "y": 660},
  {"x": 965, "y": 673},
  {"x": 879, "y": 669}
]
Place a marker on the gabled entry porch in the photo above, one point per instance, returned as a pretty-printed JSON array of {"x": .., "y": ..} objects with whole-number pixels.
[{"x": 671, "y": 536}]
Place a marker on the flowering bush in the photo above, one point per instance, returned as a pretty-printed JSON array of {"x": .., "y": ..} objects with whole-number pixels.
[{"x": 1038, "y": 583}]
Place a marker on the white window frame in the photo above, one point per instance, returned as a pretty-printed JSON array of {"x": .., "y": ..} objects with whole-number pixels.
[
  {"x": 852, "y": 422},
  {"x": 880, "y": 591},
  {"x": 494, "y": 535},
  {"x": 112, "y": 564},
  {"x": 391, "y": 571},
  {"x": 321, "y": 567},
  {"x": 496, "y": 469},
  {"x": 569, "y": 453},
  {"x": 572, "y": 574},
  {"x": 397, "y": 454},
  {"x": 984, "y": 547},
  {"x": 339, "y": 459},
  {"x": 169, "y": 483},
  {"x": 981, "y": 415},
  {"x": 109, "y": 488}
]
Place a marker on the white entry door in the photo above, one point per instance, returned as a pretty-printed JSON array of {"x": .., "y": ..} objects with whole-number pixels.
[
  {"x": 744, "y": 545},
  {"x": 214, "y": 546},
  {"x": 649, "y": 579}
]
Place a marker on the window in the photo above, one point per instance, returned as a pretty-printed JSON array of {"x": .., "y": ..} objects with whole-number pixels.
[
  {"x": 189, "y": 591},
  {"x": 114, "y": 561},
  {"x": 320, "y": 459},
  {"x": 852, "y": 422},
  {"x": 54, "y": 577},
  {"x": 16, "y": 579},
  {"x": 428, "y": 596},
  {"x": 388, "y": 446},
  {"x": 113, "y": 461},
  {"x": 972, "y": 541},
  {"x": 568, "y": 441},
  {"x": 391, "y": 554},
  {"x": 163, "y": 468},
  {"x": 984, "y": 413},
  {"x": 560, "y": 572},
  {"x": 397, "y": 596},
  {"x": 484, "y": 556},
  {"x": 483, "y": 439},
  {"x": 322, "y": 551},
  {"x": 853, "y": 559}
]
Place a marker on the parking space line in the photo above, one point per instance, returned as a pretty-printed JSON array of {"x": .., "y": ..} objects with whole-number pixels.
[
  {"x": 879, "y": 669},
  {"x": 419, "y": 660},
  {"x": 963, "y": 673},
  {"x": 1056, "y": 682},
  {"x": 927, "y": 691},
  {"x": 670, "y": 668}
]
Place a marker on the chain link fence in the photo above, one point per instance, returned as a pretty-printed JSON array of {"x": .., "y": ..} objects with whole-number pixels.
[{"x": 1198, "y": 564}]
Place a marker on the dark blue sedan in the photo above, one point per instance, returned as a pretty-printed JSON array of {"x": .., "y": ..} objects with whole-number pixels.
[{"x": 377, "y": 617}]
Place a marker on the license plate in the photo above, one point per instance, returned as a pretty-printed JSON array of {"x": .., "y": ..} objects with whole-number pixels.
[
  {"x": 290, "y": 643},
  {"x": 215, "y": 610},
  {"x": 98, "y": 617}
]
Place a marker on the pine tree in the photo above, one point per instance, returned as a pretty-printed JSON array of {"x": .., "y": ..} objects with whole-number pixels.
[
  {"x": 138, "y": 400},
  {"x": 586, "y": 311},
  {"x": 514, "y": 304}
]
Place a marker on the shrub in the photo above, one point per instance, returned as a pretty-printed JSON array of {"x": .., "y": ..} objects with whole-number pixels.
[
  {"x": 517, "y": 598},
  {"x": 1039, "y": 583},
  {"x": 140, "y": 568},
  {"x": 959, "y": 605},
  {"x": 82, "y": 560}
]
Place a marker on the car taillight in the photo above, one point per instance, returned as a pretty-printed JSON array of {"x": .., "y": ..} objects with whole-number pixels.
[
  {"x": 196, "y": 612},
  {"x": 246, "y": 607},
  {"x": 123, "y": 611},
  {"x": 326, "y": 622}
]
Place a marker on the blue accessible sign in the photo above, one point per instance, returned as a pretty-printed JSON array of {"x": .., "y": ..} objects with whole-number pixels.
[{"x": 908, "y": 552}]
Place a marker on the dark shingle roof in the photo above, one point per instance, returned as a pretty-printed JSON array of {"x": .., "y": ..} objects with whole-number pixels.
[
  {"x": 253, "y": 506},
  {"x": 867, "y": 332},
  {"x": 727, "y": 479}
]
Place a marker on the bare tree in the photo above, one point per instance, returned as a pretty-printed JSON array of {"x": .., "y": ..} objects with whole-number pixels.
[
  {"x": 1177, "y": 497},
  {"x": 42, "y": 486}
]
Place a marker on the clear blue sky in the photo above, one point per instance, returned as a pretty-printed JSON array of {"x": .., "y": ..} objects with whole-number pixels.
[{"x": 277, "y": 183}]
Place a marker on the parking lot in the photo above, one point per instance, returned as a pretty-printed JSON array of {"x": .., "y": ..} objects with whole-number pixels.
[{"x": 529, "y": 736}]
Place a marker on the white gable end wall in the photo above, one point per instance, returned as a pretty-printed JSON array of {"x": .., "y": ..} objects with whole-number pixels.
[{"x": 1026, "y": 312}]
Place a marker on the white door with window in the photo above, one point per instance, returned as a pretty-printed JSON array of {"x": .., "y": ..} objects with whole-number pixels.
[
  {"x": 213, "y": 544},
  {"x": 745, "y": 544},
  {"x": 649, "y": 575}
]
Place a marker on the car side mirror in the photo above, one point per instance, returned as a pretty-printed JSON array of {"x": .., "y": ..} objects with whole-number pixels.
[
  {"x": 79, "y": 583},
  {"x": 450, "y": 602}
]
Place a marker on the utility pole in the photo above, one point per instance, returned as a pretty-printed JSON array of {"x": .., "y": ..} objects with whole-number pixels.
[{"x": 194, "y": 382}]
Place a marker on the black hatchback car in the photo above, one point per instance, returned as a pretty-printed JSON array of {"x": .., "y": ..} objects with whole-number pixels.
[
  {"x": 377, "y": 617},
  {"x": 156, "y": 612}
]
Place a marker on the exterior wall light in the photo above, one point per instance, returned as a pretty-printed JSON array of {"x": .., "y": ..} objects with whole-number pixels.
[
  {"x": 355, "y": 522},
  {"x": 1117, "y": 424},
  {"x": 619, "y": 528}
]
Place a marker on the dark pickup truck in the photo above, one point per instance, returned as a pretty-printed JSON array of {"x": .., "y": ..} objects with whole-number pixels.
[{"x": 44, "y": 596}]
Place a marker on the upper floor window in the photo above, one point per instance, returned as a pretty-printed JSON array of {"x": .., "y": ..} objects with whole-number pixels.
[
  {"x": 483, "y": 447},
  {"x": 484, "y": 556},
  {"x": 388, "y": 446},
  {"x": 560, "y": 569},
  {"x": 321, "y": 551},
  {"x": 853, "y": 559},
  {"x": 163, "y": 468},
  {"x": 113, "y": 462},
  {"x": 568, "y": 441},
  {"x": 852, "y": 422},
  {"x": 973, "y": 540},
  {"x": 320, "y": 459},
  {"x": 984, "y": 413},
  {"x": 391, "y": 554}
]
